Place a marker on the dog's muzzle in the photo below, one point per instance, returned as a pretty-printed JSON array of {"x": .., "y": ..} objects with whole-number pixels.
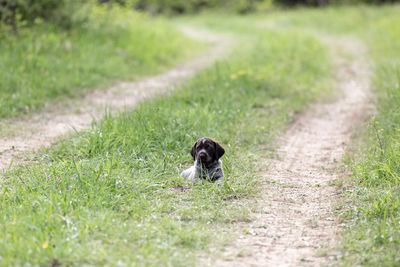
[{"x": 202, "y": 156}]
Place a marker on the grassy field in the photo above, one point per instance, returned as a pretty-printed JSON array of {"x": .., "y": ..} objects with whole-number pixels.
[
  {"x": 112, "y": 194},
  {"x": 44, "y": 63},
  {"x": 374, "y": 238}
]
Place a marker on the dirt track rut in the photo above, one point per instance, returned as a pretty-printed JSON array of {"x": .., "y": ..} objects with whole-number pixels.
[
  {"x": 297, "y": 224},
  {"x": 43, "y": 129}
]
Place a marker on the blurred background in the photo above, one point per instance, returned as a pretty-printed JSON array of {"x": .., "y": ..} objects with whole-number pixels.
[{"x": 66, "y": 13}]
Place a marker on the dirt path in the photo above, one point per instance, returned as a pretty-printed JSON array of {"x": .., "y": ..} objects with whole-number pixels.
[
  {"x": 45, "y": 128},
  {"x": 297, "y": 224}
]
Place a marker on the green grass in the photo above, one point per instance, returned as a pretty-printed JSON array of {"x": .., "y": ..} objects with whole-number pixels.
[
  {"x": 43, "y": 64},
  {"x": 375, "y": 236},
  {"x": 112, "y": 194}
]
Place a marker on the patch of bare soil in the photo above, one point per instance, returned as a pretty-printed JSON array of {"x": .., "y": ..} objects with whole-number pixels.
[
  {"x": 297, "y": 224},
  {"x": 45, "y": 128}
]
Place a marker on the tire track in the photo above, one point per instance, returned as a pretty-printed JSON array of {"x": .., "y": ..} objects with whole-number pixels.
[
  {"x": 45, "y": 128},
  {"x": 297, "y": 224}
]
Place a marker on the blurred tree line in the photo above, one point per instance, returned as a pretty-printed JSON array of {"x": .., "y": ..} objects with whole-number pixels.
[{"x": 15, "y": 13}]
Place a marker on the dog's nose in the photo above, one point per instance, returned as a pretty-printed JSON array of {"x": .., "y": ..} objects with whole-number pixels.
[{"x": 202, "y": 155}]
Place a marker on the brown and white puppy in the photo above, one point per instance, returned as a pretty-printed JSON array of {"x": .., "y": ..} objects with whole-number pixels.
[{"x": 207, "y": 166}]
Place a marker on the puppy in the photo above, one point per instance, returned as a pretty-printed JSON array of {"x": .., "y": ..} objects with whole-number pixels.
[{"x": 207, "y": 166}]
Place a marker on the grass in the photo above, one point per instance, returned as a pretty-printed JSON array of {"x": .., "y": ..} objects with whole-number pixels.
[
  {"x": 111, "y": 195},
  {"x": 44, "y": 64},
  {"x": 375, "y": 236}
]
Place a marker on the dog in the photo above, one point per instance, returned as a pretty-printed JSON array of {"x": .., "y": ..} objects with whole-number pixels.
[{"x": 207, "y": 166}]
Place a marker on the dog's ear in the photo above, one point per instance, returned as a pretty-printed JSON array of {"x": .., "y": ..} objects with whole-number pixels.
[
  {"x": 193, "y": 151},
  {"x": 219, "y": 151}
]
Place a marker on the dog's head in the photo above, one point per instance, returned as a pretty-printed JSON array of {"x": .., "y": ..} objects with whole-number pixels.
[{"x": 207, "y": 151}]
